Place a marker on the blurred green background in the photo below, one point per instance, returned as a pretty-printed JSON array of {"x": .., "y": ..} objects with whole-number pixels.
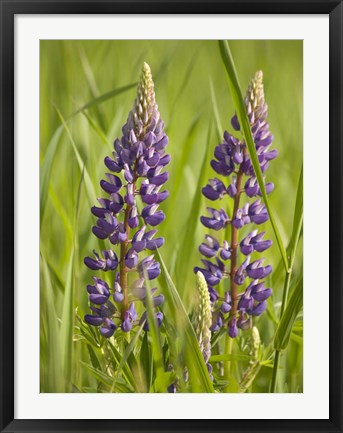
[{"x": 196, "y": 106}]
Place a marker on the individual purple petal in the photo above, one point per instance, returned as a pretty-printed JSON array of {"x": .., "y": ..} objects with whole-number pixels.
[
  {"x": 240, "y": 274},
  {"x": 232, "y": 189},
  {"x": 126, "y": 325},
  {"x": 98, "y": 299},
  {"x": 217, "y": 321},
  {"x": 133, "y": 218},
  {"x": 159, "y": 318},
  {"x": 112, "y": 165},
  {"x": 214, "y": 190},
  {"x": 225, "y": 307},
  {"x": 132, "y": 312},
  {"x": 161, "y": 196},
  {"x": 153, "y": 244},
  {"x": 225, "y": 252},
  {"x": 93, "y": 264},
  {"x": 98, "y": 211},
  {"x": 131, "y": 259},
  {"x": 251, "y": 187},
  {"x": 165, "y": 160},
  {"x": 108, "y": 329},
  {"x": 118, "y": 297},
  {"x": 244, "y": 321},
  {"x": 222, "y": 168},
  {"x": 108, "y": 223},
  {"x": 214, "y": 295},
  {"x": 233, "y": 330},
  {"x": 158, "y": 300},
  {"x": 161, "y": 144},
  {"x": 262, "y": 294},
  {"x": 160, "y": 179},
  {"x": 93, "y": 320},
  {"x": 259, "y": 309},
  {"x": 99, "y": 232},
  {"x": 272, "y": 154},
  {"x": 206, "y": 251},
  {"x": 255, "y": 270},
  {"x": 235, "y": 123}
]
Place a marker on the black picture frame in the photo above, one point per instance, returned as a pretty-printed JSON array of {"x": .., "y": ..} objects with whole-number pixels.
[{"x": 8, "y": 10}]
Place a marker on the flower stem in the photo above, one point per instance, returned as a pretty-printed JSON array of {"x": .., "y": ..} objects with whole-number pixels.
[
  {"x": 123, "y": 269},
  {"x": 123, "y": 252},
  {"x": 233, "y": 286},
  {"x": 234, "y": 247}
]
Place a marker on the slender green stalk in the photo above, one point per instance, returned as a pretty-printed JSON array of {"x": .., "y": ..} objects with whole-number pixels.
[
  {"x": 275, "y": 371},
  {"x": 233, "y": 285},
  {"x": 227, "y": 364},
  {"x": 234, "y": 246},
  {"x": 277, "y": 352},
  {"x": 297, "y": 227}
]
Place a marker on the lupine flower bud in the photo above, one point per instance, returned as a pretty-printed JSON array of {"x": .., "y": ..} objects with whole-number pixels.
[
  {"x": 221, "y": 260},
  {"x": 203, "y": 317},
  {"x": 138, "y": 160}
]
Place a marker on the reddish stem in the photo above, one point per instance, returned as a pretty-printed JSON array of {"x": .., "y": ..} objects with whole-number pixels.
[
  {"x": 234, "y": 247},
  {"x": 123, "y": 251}
]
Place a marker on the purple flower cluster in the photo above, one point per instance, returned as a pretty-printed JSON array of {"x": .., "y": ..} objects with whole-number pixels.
[
  {"x": 139, "y": 157},
  {"x": 221, "y": 259}
]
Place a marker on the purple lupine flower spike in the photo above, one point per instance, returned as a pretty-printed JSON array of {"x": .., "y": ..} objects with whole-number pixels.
[
  {"x": 246, "y": 298},
  {"x": 134, "y": 188}
]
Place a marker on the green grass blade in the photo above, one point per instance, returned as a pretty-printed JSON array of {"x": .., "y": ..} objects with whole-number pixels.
[
  {"x": 230, "y": 357},
  {"x": 127, "y": 353},
  {"x": 88, "y": 183},
  {"x": 104, "y": 97},
  {"x": 196, "y": 364},
  {"x": 98, "y": 374},
  {"x": 297, "y": 220},
  {"x": 244, "y": 122},
  {"x": 67, "y": 319},
  {"x": 186, "y": 78},
  {"x": 97, "y": 129},
  {"x": 293, "y": 308},
  {"x": 182, "y": 266},
  {"x": 219, "y": 127},
  {"x": 54, "y": 378},
  {"x": 45, "y": 171},
  {"x": 146, "y": 360},
  {"x": 116, "y": 358},
  {"x": 91, "y": 81},
  {"x": 155, "y": 339},
  {"x": 67, "y": 325}
]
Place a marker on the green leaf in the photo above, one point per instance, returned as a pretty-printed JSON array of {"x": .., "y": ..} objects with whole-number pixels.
[
  {"x": 244, "y": 122},
  {"x": 198, "y": 373},
  {"x": 293, "y": 308}
]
